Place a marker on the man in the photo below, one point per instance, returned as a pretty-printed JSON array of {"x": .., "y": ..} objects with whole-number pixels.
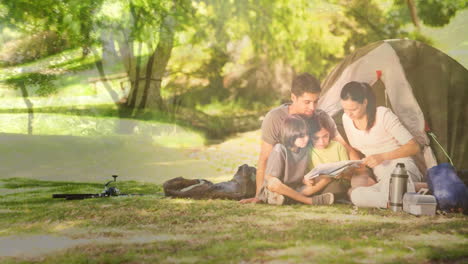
[{"x": 305, "y": 93}]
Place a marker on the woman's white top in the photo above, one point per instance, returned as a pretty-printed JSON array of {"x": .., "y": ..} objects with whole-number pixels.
[{"x": 386, "y": 135}]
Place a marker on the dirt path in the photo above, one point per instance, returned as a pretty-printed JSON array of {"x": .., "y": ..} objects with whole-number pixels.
[{"x": 33, "y": 246}]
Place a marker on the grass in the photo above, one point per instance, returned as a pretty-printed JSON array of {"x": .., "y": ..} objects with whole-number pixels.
[
  {"x": 153, "y": 229},
  {"x": 212, "y": 127}
]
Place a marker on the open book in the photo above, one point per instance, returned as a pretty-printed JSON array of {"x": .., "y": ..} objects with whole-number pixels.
[{"x": 331, "y": 169}]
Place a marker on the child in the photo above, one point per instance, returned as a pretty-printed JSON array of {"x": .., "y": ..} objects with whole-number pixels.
[
  {"x": 323, "y": 151},
  {"x": 287, "y": 165}
]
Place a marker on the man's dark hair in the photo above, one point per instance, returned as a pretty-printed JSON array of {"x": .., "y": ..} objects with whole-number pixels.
[
  {"x": 305, "y": 83},
  {"x": 294, "y": 127}
]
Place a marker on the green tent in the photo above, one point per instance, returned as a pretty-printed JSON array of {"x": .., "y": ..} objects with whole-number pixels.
[{"x": 423, "y": 86}]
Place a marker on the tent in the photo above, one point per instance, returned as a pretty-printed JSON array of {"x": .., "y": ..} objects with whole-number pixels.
[{"x": 423, "y": 86}]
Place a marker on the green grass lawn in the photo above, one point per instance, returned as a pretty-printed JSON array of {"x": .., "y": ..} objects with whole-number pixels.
[{"x": 154, "y": 229}]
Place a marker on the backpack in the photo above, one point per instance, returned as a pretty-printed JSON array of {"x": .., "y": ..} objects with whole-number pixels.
[
  {"x": 449, "y": 190},
  {"x": 241, "y": 186}
]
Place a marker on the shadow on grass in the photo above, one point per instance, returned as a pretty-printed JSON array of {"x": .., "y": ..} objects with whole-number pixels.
[
  {"x": 128, "y": 186},
  {"x": 15, "y": 183}
]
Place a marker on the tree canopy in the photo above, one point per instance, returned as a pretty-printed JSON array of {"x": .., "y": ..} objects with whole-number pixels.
[{"x": 217, "y": 48}]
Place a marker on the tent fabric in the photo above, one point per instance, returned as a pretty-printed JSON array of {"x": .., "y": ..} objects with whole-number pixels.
[
  {"x": 441, "y": 88},
  {"x": 421, "y": 85}
]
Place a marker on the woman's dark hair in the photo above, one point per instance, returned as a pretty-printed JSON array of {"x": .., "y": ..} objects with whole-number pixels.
[
  {"x": 358, "y": 91},
  {"x": 294, "y": 127},
  {"x": 319, "y": 122}
]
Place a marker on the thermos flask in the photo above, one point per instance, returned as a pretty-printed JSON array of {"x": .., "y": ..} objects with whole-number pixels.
[{"x": 398, "y": 181}]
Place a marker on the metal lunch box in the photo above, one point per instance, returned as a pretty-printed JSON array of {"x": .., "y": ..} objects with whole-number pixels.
[{"x": 419, "y": 204}]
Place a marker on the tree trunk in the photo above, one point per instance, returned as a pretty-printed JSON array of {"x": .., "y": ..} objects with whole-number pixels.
[
  {"x": 109, "y": 53},
  {"x": 24, "y": 93},
  {"x": 145, "y": 82},
  {"x": 156, "y": 66},
  {"x": 414, "y": 13}
]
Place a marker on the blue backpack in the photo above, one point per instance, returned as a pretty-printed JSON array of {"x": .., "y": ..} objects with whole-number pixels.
[{"x": 449, "y": 190}]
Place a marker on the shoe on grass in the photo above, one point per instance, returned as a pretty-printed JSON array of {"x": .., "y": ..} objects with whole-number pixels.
[
  {"x": 323, "y": 199},
  {"x": 275, "y": 198}
]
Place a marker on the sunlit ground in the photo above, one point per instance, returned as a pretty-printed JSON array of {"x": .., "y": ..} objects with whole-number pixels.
[{"x": 74, "y": 148}]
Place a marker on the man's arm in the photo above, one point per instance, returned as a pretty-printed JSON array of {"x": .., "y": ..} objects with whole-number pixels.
[{"x": 265, "y": 151}]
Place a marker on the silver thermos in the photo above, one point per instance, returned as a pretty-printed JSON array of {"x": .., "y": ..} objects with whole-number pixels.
[{"x": 398, "y": 181}]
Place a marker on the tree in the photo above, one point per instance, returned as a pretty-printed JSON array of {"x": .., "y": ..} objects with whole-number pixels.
[
  {"x": 139, "y": 27},
  {"x": 301, "y": 35},
  {"x": 72, "y": 19},
  {"x": 435, "y": 13},
  {"x": 364, "y": 22},
  {"x": 148, "y": 25}
]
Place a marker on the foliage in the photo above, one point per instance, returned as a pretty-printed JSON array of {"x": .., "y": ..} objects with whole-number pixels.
[
  {"x": 438, "y": 13},
  {"x": 435, "y": 13},
  {"x": 254, "y": 48},
  {"x": 182, "y": 53},
  {"x": 37, "y": 84},
  {"x": 364, "y": 22},
  {"x": 7, "y": 34},
  {"x": 153, "y": 229},
  {"x": 31, "y": 48},
  {"x": 72, "y": 19}
]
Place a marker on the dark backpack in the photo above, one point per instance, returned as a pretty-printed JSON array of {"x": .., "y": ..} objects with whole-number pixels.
[
  {"x": 450, "y": 191},
  {"x": 241, "y": 186}
]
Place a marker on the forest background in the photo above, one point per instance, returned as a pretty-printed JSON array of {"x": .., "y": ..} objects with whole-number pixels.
[{"x": 192, "y": 61}]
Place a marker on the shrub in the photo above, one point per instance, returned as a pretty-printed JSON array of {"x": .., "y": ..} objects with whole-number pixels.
[
  {"x": 30, "y": 48},
  {"x": 37, "y": 84}
]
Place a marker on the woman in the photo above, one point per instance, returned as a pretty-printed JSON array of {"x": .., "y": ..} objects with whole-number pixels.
[{"x": 380, "y": 136}]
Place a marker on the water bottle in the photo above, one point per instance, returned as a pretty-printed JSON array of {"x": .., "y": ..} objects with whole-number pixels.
[{"x": 398, "y": 181}]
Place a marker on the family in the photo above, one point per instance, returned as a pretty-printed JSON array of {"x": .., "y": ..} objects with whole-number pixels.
[{"x": 298, "y": 136}]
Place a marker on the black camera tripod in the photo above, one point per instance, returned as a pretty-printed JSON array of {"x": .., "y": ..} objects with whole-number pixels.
[{"x": 107, "y": 192}]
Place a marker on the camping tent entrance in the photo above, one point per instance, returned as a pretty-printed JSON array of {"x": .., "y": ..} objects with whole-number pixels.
[{"x": 422, "y": 85}]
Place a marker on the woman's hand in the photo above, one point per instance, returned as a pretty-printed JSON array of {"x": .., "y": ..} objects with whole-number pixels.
[
  {"x": 308, "y": 182},
  {"x": 373, "y": 160}
]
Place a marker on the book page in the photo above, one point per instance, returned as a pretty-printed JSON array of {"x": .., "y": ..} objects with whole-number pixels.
[{"x": 331, "y": 169}]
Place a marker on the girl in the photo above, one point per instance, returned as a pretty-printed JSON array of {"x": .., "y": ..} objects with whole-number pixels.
[{"x": 287, "y": 165}]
